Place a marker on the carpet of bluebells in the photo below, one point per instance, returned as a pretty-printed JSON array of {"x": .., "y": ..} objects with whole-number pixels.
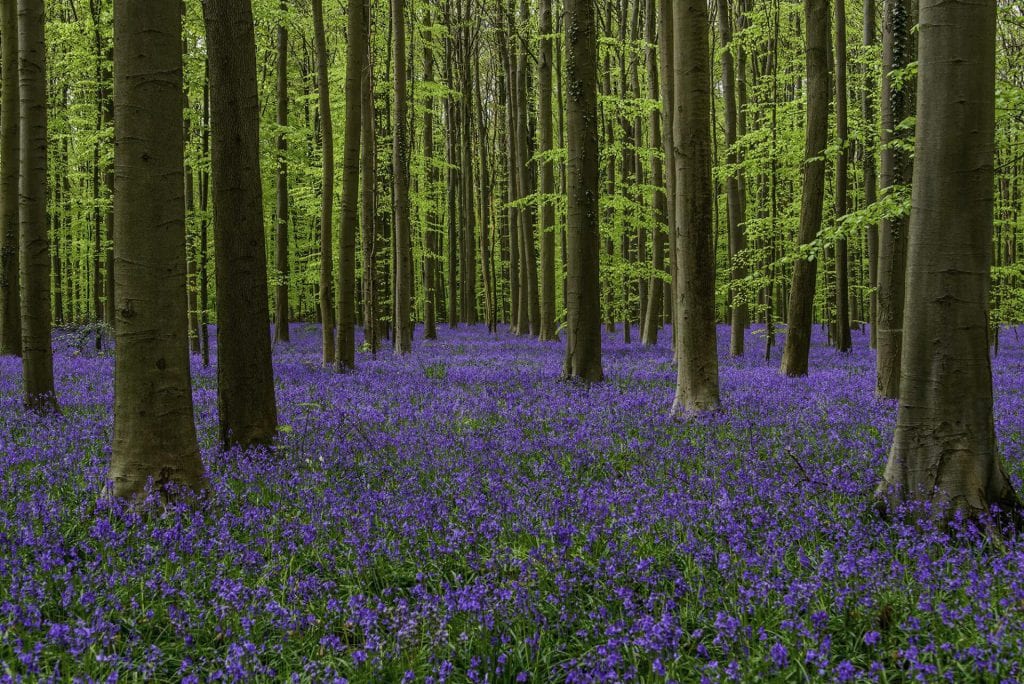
[{"x": 461, "y": 514}]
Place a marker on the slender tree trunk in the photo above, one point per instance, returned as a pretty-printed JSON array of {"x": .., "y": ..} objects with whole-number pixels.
[
  {"x": 10, "y": 132},
  {"x": 371, "y": 315},
  {"x": 327, "y": 188},
  {"x": 801, "y": 299},
  {"x": 666, "y": 53},
  {"x": 844, "y": 340},
  {"x": 358, "y": 41},
  {"x": 204, "y": 229},
  {"x": 37, "y": 352},
  {"x": 734, "y": 188},
  {"x": 897, "y": 104},
  {"x": 583, "y": 292},
  {"x": 944, "y": 451},
  {"x": 430, "y": 229},
  {"x": 154, "y": 428},
  {"x": 282, "y": 331},
  {"x": 400, "y": 165},
  {"x": 870, "y": 171},
  {"x": 655, "y": 291},
  {"x": 245, "y": 376},
  {"x": 547, "y": 178},
  {"x": 697, "y": 383},
  {"x": 486, "y": 192}
]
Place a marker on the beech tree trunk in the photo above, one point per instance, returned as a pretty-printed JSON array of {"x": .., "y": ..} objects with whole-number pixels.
[
  {"x": 844, "y": 340},
  {"x": 870, "y": 172},
  {"x": 282, "y": 331},
  {"x": 400, "y": 165},
  {"x": 358, "y": 40},
  {"x": 371, "y": 315},
  {"x": 697, "y": 356},
  {"x": 154, "y": 428},
  {"x": 659, "y": 238},
  {"x": 734, "y": 189},
  {"x": 327, "y": 188},
  {"x": 245, "y": 376},
  {"x": 583, "y": 279},
  {"x": 801, "y": 298},
  {"x": 433, "y": 177},
  {"x": 10, "y": 131},
  {"x": 547, "y": 178},
  {"x": 897, "y": 105},
  {"x": 34, "y": 259},
  {"x": 944, "y": 450}
]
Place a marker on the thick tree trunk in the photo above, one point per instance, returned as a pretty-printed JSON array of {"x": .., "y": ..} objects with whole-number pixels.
[
  {"x": 154, "y": 428},
  {"x": 327, "y": 188},
  {"x": 801, "y": 298},
  {"x": 583, "y": 281},
  {"x": 282, "y": 331},
  {"x": 897, "y": 105},
  {"x": 245, "y": 376},
  {"x": 400, "y": 166},
  {"x": 36, "y": 347},
  {"x": 10, "y": 281},
  {"x": 944, "y": 450},
  {"x": 358, "y": 40},
  {"x": 547, "y": 178},
  {"x": 697, "y": 381}
]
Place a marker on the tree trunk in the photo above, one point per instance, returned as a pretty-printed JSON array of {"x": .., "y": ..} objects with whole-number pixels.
[
  {"x": 430, "y": 229},
  {"x": 844, "y": 340},
  {"x": 327, "y": 187},
  {"x": 245, "y": 376},
  {"x": 10, "y": 286},
  {"x": 37, "y": 352},
  {"x": 897, "y": 103},
  {"x": 944, "y": 451},
  {"x": 282, "y": 332},
  {"x": 734, "y": 189},
  {"x": 583, "y": 280},
  {"x": 655, "y": 290},
  {"x": 666, "y": 52},
  {"x": 371, "y": 315},
  {"x": 870, "y": 172},
  {"x": 400, "y": 165},
  {"x": 358, "y": 40},
  {"x": 547, "y": 178},
  {"x": 697, "y": 356},
  {"x": 154, "y": 428},
  {"x": 801, "y": 298}
]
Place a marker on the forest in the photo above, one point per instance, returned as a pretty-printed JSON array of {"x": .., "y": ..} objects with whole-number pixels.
[{"x": 511, "y": 341}]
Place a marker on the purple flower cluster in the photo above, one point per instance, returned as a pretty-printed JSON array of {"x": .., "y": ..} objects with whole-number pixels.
[{"x": 460, "y": 514}]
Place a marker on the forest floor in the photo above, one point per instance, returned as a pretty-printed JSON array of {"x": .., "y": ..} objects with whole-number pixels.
[{"x": 462, "y": 514}]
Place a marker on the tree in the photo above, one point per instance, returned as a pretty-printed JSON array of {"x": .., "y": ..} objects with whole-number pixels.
[
  {"x": 697, "y": 353},
  {"x": 944, "y": 450},
  {"x": 355, "y": 64},
  {"x": 281, "y": 328},
  {"x": 547, "y": 178},
  {"x": 327, "y": 187},
  {"x": 245, "y": 376},
  {"x": 655, "y": 289},
  {"x": 583, "y": 282},
  {"x": 400, "y": 165},
  {"x": 154, "y": 428},
  {"x": 896, "y": 105},
  {"x": 844, "y": 340},
  {"x": 37, "y": 350},
  {"x": 734, "y": 185},
  {"x": 805, "y": 269},
  {"x": 10, "y": 286}
]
